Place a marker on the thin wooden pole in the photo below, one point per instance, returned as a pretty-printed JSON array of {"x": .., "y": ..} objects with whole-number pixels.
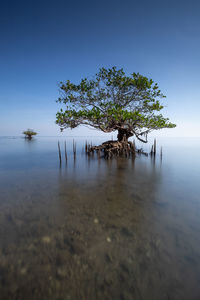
[
  {"x": 154, "y": 146},
  {"x": 59, "y": 153},
  {"x": 152, "y": 150},
  {"x": 65, "y": 152},
  {"x": 74, "y": 149}
]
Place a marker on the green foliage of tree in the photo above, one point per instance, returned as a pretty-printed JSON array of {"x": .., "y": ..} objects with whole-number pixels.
[
  {"x": 113, "y": 101},
  {"x": 29, "y": 133}
]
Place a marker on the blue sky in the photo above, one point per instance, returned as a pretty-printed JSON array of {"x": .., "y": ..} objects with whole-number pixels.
[{"x": 44, "y": 42}]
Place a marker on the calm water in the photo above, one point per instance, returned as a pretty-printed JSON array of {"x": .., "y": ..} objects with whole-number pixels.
[{"x": 95, "y": 229}]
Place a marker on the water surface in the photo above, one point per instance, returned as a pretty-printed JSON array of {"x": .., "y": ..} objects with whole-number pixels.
[{"x": 126, "y": 228}]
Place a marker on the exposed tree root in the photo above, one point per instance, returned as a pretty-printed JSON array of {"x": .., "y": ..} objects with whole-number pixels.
[{"x": 115, "y": 148}]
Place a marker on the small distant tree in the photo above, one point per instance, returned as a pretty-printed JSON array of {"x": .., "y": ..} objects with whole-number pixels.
[
  {"x": 112, "y": 101},
  {"x": 29, "y": 133}
]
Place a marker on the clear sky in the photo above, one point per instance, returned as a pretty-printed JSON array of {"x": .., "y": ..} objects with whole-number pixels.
[{"x": 45, "y": 42}]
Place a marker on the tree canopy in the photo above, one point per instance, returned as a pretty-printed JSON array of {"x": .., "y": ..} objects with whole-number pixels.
[
  {"x": 113, "y": 101},
  {"x": 29, "y": 133}
]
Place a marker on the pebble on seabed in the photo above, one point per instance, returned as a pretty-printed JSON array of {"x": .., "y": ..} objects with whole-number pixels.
[
  {"x": 96, "y": 221},
  {"x": 23, "y": 271},
  {"x": 46, "y": 239},
  {"x": 108, "y": 240}
]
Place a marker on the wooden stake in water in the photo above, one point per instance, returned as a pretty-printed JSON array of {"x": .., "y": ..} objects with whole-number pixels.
[
  {"x": 154, "y": 147},
  {"x": 65, "y": 152},
  {"x": 151, "y": 150},
  {"x": 74, "y": 149},
  {"x": 88, "y": 149},
  {"x": 59, "y": 153}
]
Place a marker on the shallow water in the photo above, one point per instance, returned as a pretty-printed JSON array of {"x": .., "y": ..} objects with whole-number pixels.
[{"x": 95, "y": 229}]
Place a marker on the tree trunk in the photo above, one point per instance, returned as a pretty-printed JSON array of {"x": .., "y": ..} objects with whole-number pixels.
[{"x": 123, "y": 135}]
